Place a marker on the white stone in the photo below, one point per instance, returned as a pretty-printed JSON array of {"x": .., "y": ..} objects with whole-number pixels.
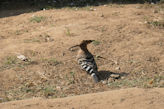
[{"x": 21, "y": 57}]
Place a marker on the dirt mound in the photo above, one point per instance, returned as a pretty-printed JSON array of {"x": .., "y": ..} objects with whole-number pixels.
[{"x": 133, "y": 98}]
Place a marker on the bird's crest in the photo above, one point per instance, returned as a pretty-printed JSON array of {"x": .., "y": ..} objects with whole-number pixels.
[{"x": 83, "y": 43}]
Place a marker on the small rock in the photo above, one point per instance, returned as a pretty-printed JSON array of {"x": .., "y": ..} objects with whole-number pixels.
[
  {"x": 155, "y": 11},
  {"x": 102, "y": 15},
  {"x": 92, "y": 9},
  {"x": 22, "y": 57},
  {"x": 63, "y": 54},
  {"x": 1, "y": 100},
  {"x": 122, "y": 77},
  {"x": 9, "y": 97},
  {"x": 104, "y": 82},
  {"x": 58, "y": 87},
  {"x": 41, "y": 27},
  {"x": 105, "y": 5},
  {"x": 48, "y": 38},
  {"x": 146, "y": 22},
  {"x": 161, "y": 83},
  {"x": 138, "y": 7},
  {"x": 30, "y": 84},
  {"x": 115, "y": 62},
  {"x": 110, "y": 80},
  {"x": 117, "y": 68},
  {"x": 161, "y": 73}
]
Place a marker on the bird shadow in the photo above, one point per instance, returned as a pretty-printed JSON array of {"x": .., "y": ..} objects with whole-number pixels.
[{"x": 105, "y": 75}]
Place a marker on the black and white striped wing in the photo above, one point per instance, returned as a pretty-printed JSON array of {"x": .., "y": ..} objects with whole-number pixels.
[{"x": 89, "y": 65}]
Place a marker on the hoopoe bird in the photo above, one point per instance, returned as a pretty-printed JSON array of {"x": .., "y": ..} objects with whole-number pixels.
[{"x": 86, "y": 60}]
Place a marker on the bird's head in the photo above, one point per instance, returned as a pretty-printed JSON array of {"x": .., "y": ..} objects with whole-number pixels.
[{"x": 83, "y": 44}]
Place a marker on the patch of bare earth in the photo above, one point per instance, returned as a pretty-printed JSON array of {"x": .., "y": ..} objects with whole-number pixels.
[
  {"x": 133, "y": 98},
  {"x": 128, "y": 37}
]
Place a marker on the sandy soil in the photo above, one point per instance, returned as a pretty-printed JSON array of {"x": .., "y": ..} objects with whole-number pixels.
[
  {"x": 133, "y": 98},
  {"x": 128, "y": 37}
]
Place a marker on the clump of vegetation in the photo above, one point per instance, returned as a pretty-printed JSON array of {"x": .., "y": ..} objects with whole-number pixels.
[
  {"x": 68, "y": 32},
  {"x": 31, "y": 40},
  {"x": 96, "y": 42},
  {"x": 51, "y": 61},
  {"x": 159, "y": 24},
  {"x": 37, "y": 19},
  {"x": 39, "y": 39},
  {"x": 70, "y": 78},
  {"x": 161, "y": 1},
  {"x": 144, "y": 82},
  {"x": 49, "y": 91},
  {"x": 10, "y": 60}
]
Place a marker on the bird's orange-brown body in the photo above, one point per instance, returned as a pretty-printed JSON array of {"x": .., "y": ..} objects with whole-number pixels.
[{"x": 86, "y": 60}]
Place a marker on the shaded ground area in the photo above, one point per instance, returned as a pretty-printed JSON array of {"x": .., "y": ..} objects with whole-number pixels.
[
  {"x": 133, "y": 98},
  {"x": 128, "y": 37},
  {"x": 27, "y": 6}
]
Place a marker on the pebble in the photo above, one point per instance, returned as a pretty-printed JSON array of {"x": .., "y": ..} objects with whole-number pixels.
[
  {"x": 146, "y": 22},
  {"x": 155, "y": 11},
  {"x": 22, "y": 57},
  {"x": 92, "y": 9},
  {"x": 110, "y": 80},
  {"x": 161, "y": 83},
  {"x": 117, "y": 68},
  {"x": 1, "y": 100},
  {"x": 58, "y": 87},
  {"x": 102, "y": 15},
  {"x": 161, "y": 73},
  {"x": 30, "y": 84},
  {"x": 104, "y": 82}
]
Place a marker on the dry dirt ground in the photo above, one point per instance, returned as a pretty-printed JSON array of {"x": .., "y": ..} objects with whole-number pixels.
[
  {"x": 130, "y": 38},
  {"x": 133, "y": 98}
]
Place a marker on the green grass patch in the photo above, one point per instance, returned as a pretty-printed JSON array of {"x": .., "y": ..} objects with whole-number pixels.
[
  {"x": 68, "y": 32},
  {"x": 159, "y": 24},
  {"x": 51, "y": 61},
  {"x": 96, "y": 42},
  {"x": 37, "y": 19},
  {"x": 12, "y": 61},
  {"x": 49, "y": 91},
  {"x": 144, "y": 82},
  {"x": 31, "y": 40}
]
